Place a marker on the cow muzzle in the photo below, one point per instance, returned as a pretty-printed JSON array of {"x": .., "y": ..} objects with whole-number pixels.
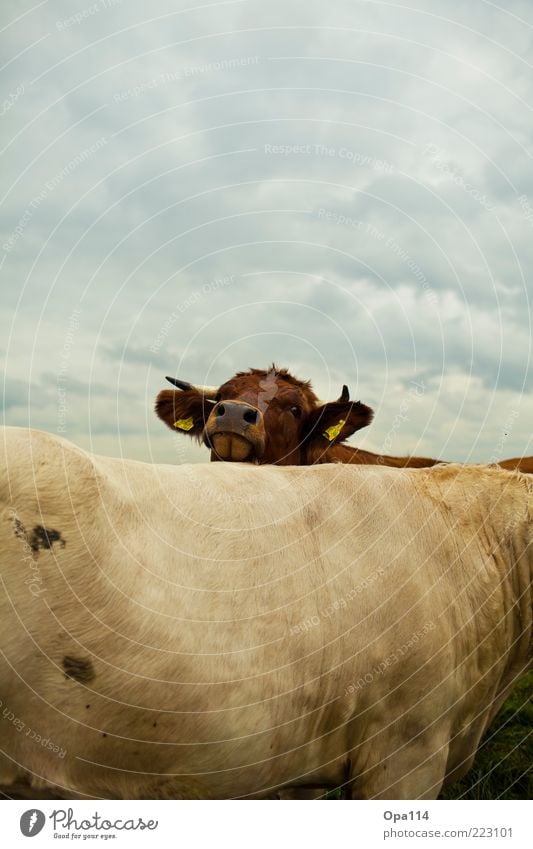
[{"x": 235, "y": 431}]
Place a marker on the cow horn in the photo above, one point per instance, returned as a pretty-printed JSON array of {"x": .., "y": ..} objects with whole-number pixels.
[
  {"x": 344, "y": 396},
  {"x": 209, "y": 392}
]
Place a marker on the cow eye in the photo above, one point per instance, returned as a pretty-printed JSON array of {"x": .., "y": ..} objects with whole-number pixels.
[{"x": 296, "y": 411}]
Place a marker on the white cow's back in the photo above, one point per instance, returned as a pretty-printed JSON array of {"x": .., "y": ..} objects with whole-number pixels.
[{"x": 246, "y": 626}]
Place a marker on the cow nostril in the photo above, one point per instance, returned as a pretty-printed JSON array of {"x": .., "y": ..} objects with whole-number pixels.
[
  {"x": 221, "y": 410},
  {"x": 250, "y": 416}
]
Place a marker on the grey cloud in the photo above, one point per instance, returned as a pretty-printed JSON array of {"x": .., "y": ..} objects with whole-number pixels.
[{"x": 373, "y": 88}]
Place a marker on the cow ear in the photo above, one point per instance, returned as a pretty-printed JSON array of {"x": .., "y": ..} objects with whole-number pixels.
[
  {"x": 336, "y": 421},
  {"x": 183, "y": 411}
]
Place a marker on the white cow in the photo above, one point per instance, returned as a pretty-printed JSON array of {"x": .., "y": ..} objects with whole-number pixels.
[{"x": 225, "y": 631}]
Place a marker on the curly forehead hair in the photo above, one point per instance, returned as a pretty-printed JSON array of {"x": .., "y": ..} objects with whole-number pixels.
[{"x": 282, "y": 373}]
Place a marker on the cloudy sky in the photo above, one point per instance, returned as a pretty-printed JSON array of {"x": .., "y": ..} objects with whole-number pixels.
[{"x": 344, "y": 188}]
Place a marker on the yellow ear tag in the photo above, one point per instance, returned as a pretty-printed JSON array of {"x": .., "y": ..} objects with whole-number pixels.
[
  {"x": 334, "y": 430},
  {"x": 184, "y": 424}
]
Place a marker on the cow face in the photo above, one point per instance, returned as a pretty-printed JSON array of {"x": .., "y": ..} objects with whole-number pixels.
[{"x": 262, "y": 417}]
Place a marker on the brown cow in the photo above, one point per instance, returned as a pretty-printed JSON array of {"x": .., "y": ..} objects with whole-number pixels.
[{"x": 271, "y": 417}]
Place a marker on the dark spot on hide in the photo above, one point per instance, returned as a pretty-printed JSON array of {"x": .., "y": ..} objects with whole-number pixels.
[
  {"x": 78, "y": 668},
  {"x": 45, "y": 538},
  {"x": 311, "y": 517},
  {"x": 20, "y": 530}
]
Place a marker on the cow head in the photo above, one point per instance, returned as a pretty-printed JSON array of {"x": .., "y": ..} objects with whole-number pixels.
[{"x": 261, "y": 416}]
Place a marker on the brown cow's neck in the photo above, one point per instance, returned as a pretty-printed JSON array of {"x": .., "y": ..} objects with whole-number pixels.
[{"x": 347, "y": 454}]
